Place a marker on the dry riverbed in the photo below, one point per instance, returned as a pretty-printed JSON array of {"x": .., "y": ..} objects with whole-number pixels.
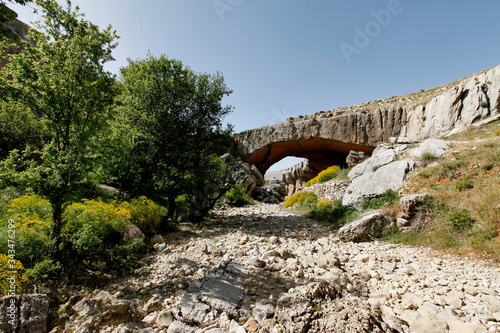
[{"x": 263, "y": 269}]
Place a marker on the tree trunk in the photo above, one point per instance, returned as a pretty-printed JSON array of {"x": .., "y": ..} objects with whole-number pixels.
[{"x": 171, "y": 207}]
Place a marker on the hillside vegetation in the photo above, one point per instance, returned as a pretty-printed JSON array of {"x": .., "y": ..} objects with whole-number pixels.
[{"x": 463, "y": 214}]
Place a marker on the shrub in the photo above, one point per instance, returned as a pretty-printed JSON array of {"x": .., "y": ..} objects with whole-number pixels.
[
  {"x": 145, "y": 214},
  {"x": 484, "y": 104},
  {"x": 324, "y": 175},
  {"x": 459, "y": 219},
  {"x": 487, "y": 166},
  {"x": 496, "y": 132},
  {"x": 427, "y": 156},
  {"x": 42, "y": 270},
  {"x": 33, "y": 225},
  {"x": 237, "y": 196},
  {"x": 11, "y": 271},
  {"x": 464, "y": 184},
  {"x": 449, "y": 169},
  {"x": 304, "y": 199},
  {"x": 424, "y": 175},
  {"x": 389, "y": 197},
  {"x": 336, "y": 213},
  {"x": 91, "y": 226}
]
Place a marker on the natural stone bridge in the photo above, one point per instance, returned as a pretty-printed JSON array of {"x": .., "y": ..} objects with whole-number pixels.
[{"x": 325, "y": 138}]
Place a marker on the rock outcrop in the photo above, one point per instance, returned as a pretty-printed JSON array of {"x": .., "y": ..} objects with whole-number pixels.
[
  {"x": 24, "y": 313},
  {"x": 387, "y": 168},
  {"x": 297, "y": 176},
  {"x": 378, "y": 174},
  {"x": 328, "y": 136}
]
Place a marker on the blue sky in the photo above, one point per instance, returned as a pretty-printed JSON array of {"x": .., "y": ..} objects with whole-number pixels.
[{"x": 287, "y": 58}]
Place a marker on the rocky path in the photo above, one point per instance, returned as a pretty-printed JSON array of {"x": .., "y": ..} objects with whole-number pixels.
[{"x": 263, "y": 269}]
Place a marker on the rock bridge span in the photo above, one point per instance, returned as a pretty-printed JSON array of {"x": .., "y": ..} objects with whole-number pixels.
[{"x": 324, "y": 138}]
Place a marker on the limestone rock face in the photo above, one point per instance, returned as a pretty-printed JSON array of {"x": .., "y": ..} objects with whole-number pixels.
[
  {"x": 361, "y": 229},
  {"x": 24, "y": 313},
  {"x": 377, "y": 174},
  {"x": 244, "y": 173}
]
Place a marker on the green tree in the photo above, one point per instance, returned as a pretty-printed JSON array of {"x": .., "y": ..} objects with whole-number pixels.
[
  {"x": 62, "y": 81},
  {"x": 173, "y": 118}
]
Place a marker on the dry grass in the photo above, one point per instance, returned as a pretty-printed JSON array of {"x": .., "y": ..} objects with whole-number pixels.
[{"x": 465, "y": 186}]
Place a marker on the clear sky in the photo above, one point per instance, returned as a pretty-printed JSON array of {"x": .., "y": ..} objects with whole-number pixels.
[{"x": 287, "y": 58}]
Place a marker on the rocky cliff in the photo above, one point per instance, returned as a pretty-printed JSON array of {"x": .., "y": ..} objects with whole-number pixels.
[
  {"x": 328, "y": 136},
  {"x": 16, "y": 31}
]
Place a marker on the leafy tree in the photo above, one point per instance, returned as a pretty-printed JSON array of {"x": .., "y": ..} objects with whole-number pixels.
[
  {"x": 62, "y": 81},
  {"x": 19, "y": 128},
  {"x": 173, "y": 120}
]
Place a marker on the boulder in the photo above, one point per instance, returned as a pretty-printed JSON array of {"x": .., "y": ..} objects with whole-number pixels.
[
  {"x": 180, "y": 327},
  {"x": 157, "y": 239},
  {"x": 132, "y": 232},
  {"x": 435, "y": 147},
  {"x": 376, "y": 181},
  {"x": 371, "y": 225},
  {"x": 297, "y": 311}
]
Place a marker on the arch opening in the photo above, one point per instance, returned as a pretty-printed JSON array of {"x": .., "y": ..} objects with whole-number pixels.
[{"x": 320, "y": 152}]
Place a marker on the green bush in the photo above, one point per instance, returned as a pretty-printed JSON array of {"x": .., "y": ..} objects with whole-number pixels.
[
  {"x": 427, "y": 156},
  {"x": 32, "y": 215},
  {"x": 449, "y": 169},
  {"x": 144, "y": 214},
  {"x": 336, "y": 213},
  {"x": 464, "y": 184},
  {"x": 459, "y": 219},
  {"x": 237, "y": 196},
  {"x": 389, "y": 197},
  {"x": 43, "y": 270},
  {"x": 324, "y": 175},
  {"x": 92, "y": 226}
]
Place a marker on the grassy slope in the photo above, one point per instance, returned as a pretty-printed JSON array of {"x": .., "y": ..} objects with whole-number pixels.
[{"x": 464, "y": 216}]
